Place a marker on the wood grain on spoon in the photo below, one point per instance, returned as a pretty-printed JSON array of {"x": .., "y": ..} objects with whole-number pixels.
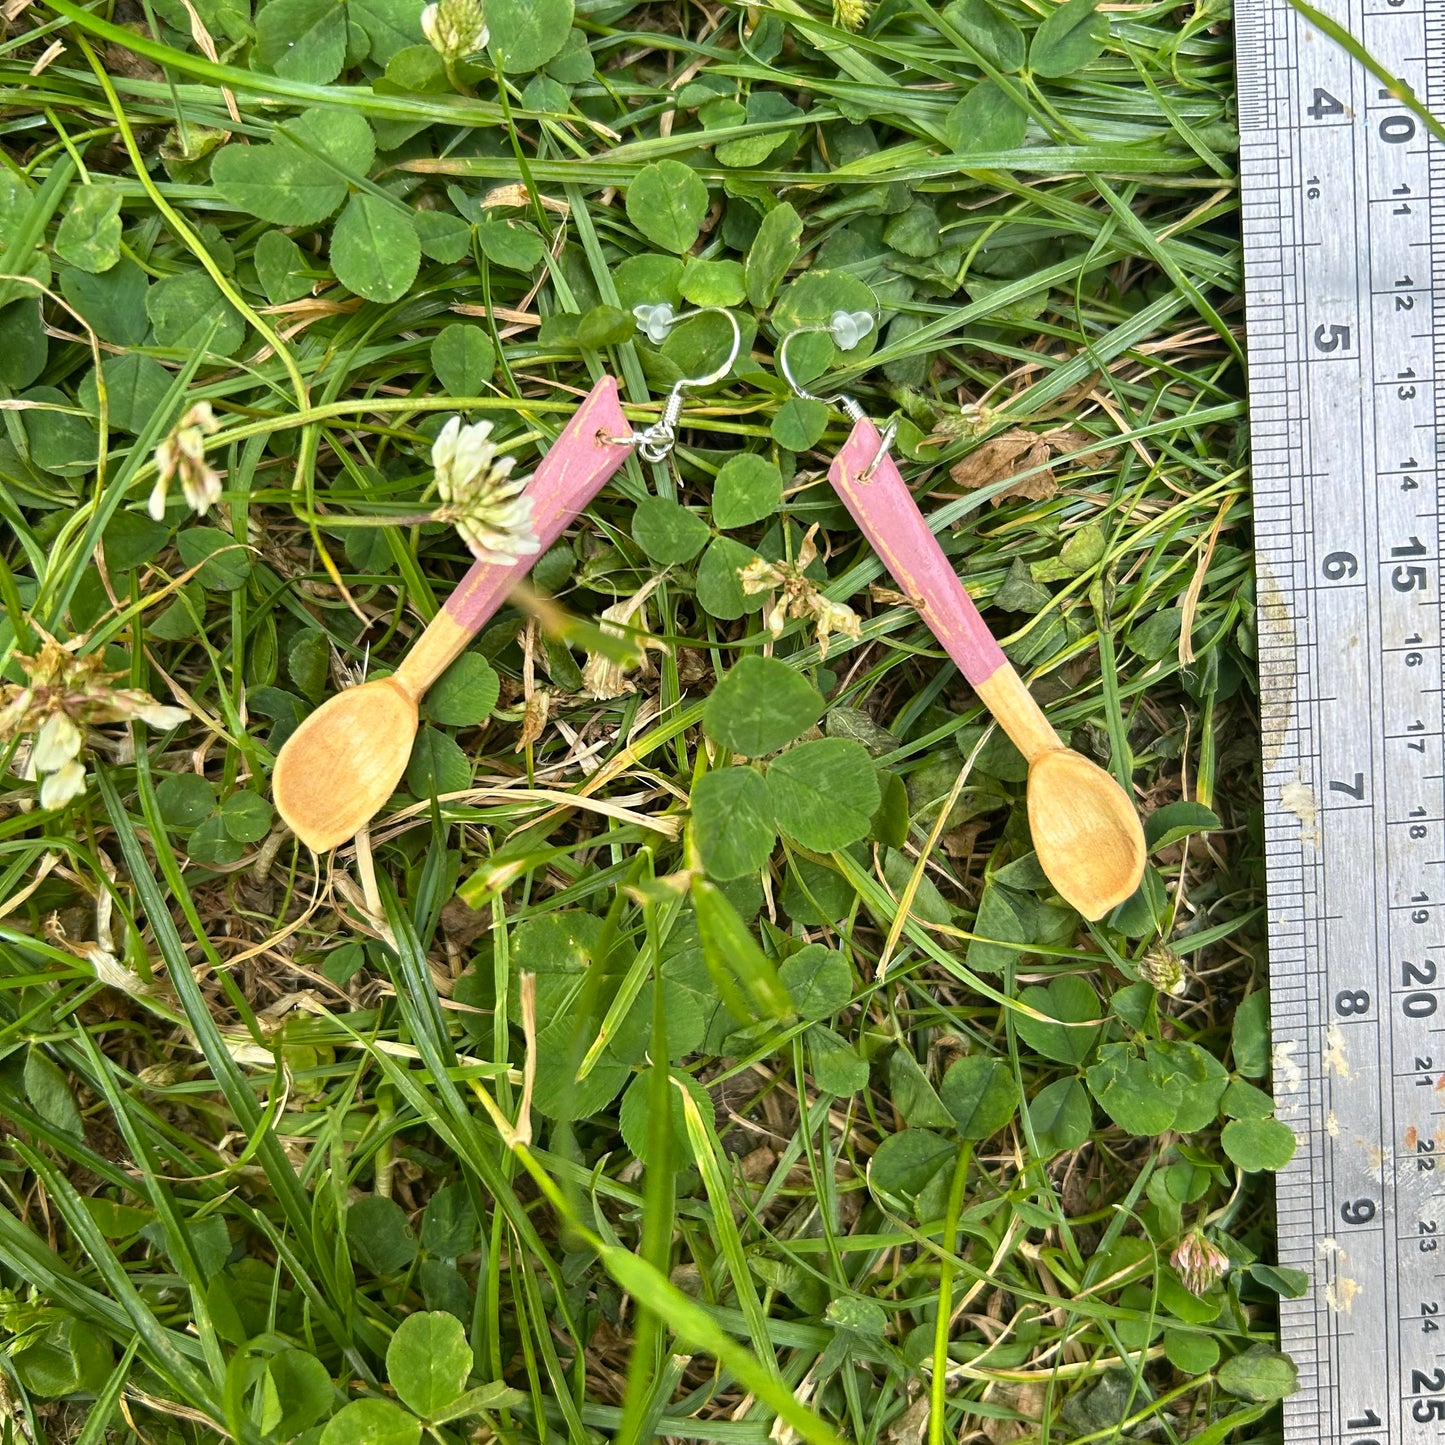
[
  {"x": 340, "y": 766},
  {"x": 1085, "y": 830}
]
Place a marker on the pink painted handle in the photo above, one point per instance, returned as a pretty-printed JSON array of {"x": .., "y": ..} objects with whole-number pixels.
[
  {"x": 888, "y": 516},
  {"x": 572, "y": 473}
]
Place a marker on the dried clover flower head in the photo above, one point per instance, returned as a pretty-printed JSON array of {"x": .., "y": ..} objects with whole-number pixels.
[
  {"x": 1162, "y": 967},
  {"x": 971, "y": 420},
  {"x": 798, "y": 596},
  {"x": 61, "y": 694},
  {"x": 850, "y": 14},
  {"x": 455, "y": 29},
  {"x": 605, "y": 676},
  {"x": 184, "y": 451},
  {"x": 480, "y": 497},
  {"x": 1201, "y": 1265}
]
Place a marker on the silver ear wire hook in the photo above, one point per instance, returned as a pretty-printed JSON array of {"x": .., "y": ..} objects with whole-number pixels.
[
  {"x": 655, "y": 443},
  {"x": 846, "y": 329},
  {"x": 884, "y": 442}
]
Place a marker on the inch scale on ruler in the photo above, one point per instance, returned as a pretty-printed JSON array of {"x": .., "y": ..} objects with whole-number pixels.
[{"x": 1344, "y": 234}]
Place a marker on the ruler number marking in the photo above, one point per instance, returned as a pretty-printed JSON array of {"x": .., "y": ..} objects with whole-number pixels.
[
  {"x": 1420, "y": 1004},
  {"x": 1432, "y": 1383},
  {"x": 1396, "y": 129},
  {"x": 1406, "y": 578},
  {"x": 1338, "y": 512}
]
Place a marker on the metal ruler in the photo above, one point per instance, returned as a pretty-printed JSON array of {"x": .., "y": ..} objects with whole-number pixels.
[{"x": 1344, "y": 233}]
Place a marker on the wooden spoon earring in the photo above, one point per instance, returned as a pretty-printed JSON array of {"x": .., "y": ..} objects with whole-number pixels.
[
  {"x": 336, "y": 771},
  {"x": 1085, "y": 830}
]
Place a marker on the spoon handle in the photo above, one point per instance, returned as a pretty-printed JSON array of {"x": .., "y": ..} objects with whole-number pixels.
[
  {"x": 590, "y": 449},
  {"x": 887, "y": 515}
]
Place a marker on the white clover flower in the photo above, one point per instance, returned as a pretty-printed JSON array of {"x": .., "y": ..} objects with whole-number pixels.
[
  {"x": 480, "y": 497},
  {"x": 156, "y": 502},
  {"x": 157, "y": 714},
  {"x": 184, "y": 451},
  {"x": 63, "y": 785},
  {"x": 455, "y": 29},
  {"x": 1201, "y": 1265},
  {"x": 56, "y": 744}
]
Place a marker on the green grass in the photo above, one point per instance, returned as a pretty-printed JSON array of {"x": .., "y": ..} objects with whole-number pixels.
[{"x": 262, "y": 1108}]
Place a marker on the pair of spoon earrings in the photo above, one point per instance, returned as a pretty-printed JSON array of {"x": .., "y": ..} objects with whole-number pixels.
[{"x": 338, "y": 768}]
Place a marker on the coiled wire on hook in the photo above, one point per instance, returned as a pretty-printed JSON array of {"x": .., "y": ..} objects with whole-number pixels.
[
  {"x": 655, "y": 443},
  {"x": 846, "y": 329}
]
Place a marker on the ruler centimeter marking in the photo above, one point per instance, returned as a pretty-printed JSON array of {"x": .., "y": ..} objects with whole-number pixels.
[{"x": 1344, "y": 243}]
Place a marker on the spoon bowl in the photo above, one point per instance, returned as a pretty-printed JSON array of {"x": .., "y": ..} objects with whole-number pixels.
[
  {"x": 340, "y": 766},
  {"x": 344, "y": 762},
  {"x": 1085, "y": 831}
]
